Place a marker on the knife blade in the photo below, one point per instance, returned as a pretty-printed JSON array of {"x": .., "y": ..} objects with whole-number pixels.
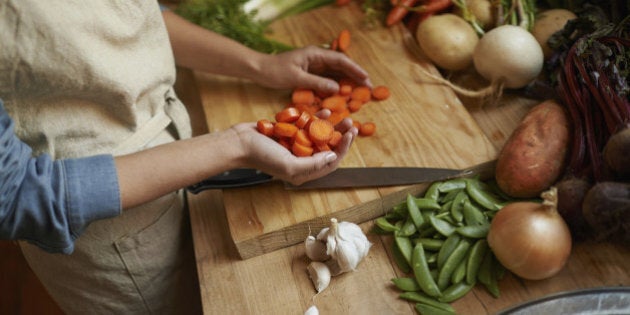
[{"x": 348, "y": 177}]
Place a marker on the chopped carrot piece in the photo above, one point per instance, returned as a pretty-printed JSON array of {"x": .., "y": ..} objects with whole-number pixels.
[
  {"x": 301, "y": 137},
  {"x": 311, "y": 109},
  {"x": 345, "y": 89},
  {"x": 367, "y": 129},
  {"x": 284, "y": 129},
  {"x": 335, "y": 103},
  {"x": 355, "y": 105},
  {"x": 334, "y": 45},
  {"x": 320, "y": 130},
  {"x": 343, "y": 40},
  {"x": 337, "y": 117},
  {"x": 321, "y": 147},
  {"x": 303, "y": 96},
  {"x": 380, "y": 92},
  {"x": 303, "y": 120},
  {"x": 288, "y": 115},
  {"x": 362, "y": 93},
  {"x": 356, "y": 124},
  {"x": 336, "y": 139},
  {"x": 301, "y": 150},
  {"x": 265, "y": 127}
]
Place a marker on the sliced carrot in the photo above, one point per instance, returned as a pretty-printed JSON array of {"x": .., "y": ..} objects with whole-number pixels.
[
  {"x": 320, "y": 131},
  {"x": 338, "y": 116},
  {"x": 321, "y": 147},
  {"x": 336, "y": 139},
  {"x": 288, "y": 115},
  {"x": 345, "y": 89},
  {"x": 380, "y": 92},
  {"x": 335, "y": 103},
  {"x": 311, "y": 109},
  {"x": 301, "y": 150},
  {"x": 301, "y": 137},
  {"x": 367, "y": 129},
  {"x": 285, "y": 142},
  {"x": 284, "y": 129},
  {"x": 303, "y": 96},
  {"x": 334, "y": 45},
  {"x": 356, "y": 124},
  {"x": 265, "y": 127},
  {"x": 303, "y": 120},
  {"x": 361, "y": 93},
  {"x": 355, "y": 105},
  {"x": 343, "y": 40}
]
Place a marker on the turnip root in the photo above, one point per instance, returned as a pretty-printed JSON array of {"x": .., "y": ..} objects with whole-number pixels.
[
  {"x": 606, "y": 209},
  {"x": 482, "y": 11},
  {"x": 508, "y": 55},
  {"x": 617, "y": 153},
  {"x": 448, "y": 41}
]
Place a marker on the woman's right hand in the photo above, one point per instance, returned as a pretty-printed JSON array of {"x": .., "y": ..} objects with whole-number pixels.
[{"x": 268, "y": 156}]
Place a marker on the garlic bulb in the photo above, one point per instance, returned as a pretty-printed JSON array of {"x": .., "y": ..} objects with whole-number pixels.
[
  {"x": 315, "y": 249},
  {"x": 346, "y": 244},
  {"x": 312, "y": 311},
  {"x": 319, "y": 274}
]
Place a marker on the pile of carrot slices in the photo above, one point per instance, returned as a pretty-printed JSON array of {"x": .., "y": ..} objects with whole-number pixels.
[{"x": 297, "y": 128}]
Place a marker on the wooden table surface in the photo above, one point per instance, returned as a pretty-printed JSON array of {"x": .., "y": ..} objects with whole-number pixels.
[{"x": 277, "y": 282}]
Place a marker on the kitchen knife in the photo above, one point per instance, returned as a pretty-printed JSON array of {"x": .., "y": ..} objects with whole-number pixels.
[{"x": 349, "y": 177}]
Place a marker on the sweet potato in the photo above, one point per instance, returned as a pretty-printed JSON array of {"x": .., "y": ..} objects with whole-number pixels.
[{"x": 534, "y": 156}]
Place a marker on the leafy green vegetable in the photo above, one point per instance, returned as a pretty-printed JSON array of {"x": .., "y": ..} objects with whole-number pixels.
[{"x": 228, "y": 18}]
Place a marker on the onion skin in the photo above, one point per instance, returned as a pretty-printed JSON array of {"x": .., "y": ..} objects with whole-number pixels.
[{"x": 530, "y": 239}]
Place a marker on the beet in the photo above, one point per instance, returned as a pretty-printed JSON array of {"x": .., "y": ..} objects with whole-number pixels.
[
  {"x": 571, "y": 193},
  {"x": 606, "y": 209},
  {"x": 617, "y": 153}
]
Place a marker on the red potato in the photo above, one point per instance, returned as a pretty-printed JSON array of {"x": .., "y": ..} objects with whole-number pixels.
[{"x": 534, "y": 156}]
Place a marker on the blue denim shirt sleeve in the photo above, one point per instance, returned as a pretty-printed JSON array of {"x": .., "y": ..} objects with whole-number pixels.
[{"x": 50, "y": 202}]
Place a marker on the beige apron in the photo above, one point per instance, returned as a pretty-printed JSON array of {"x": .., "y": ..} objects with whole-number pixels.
[{"x": 89, "y": 77}]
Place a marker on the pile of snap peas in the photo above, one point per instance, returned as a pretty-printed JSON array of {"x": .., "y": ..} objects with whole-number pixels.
[{"x": 439, "y": 240}]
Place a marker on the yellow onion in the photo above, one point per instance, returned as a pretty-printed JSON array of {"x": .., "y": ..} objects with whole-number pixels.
[{"x": 531, "y": 239}]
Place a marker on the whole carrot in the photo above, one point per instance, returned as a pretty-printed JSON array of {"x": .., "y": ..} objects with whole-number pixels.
[
  {"x": 398, "y": 12},
  {"x": 434, "y": 6}
]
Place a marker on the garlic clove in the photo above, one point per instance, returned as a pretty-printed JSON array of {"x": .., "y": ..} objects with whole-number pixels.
[
  {"x": 334, "y": 267},
  {"x": 315, "y": 250},
  {"x": 320, "y": 275},
  {"x": 312, "y": 311},
  {"x": 323, "y": 234}
]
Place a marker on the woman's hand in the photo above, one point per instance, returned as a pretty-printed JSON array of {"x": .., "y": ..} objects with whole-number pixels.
[
  {"x": 268, "y": 156},
  {"x": 309, "y": 67}
]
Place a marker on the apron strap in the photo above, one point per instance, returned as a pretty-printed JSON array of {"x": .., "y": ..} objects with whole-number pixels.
[{"x": 144, "y": 134}]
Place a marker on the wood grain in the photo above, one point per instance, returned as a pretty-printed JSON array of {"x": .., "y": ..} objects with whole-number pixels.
[{"x": 421, "y": 124}]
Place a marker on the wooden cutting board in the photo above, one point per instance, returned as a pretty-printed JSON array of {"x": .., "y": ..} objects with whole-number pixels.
[{"x": 421, "y": 124}]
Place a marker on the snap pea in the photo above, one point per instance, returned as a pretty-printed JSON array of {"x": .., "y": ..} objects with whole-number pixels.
[
  {"x": 472, "y": 214},
  {"x": 453, "y": 184},
  {"x": 477, "y": 253},
  {"x": 433, "y": 192},
  {"x": 430, "y": 309},
  {"x": 406, "y": 284},
  {"x": 414, "y": 211},
  {"x": 427, "y": 231},
  {"x": 408, "y": 228},
  {"x": 431, "y": 258},
  {"x": 385, "y": 225},
  {"x": 474, "y": 231},
  {"x": 421, "y": 272},
  {"x": 456, "y": 208},
  {"x": 448, "y": 247},
  {"x": 425, "y": 299},
  {"x": 426, "y": 203},
  {"x": 446, "y": 207},
  {"x": 404, "y": 245},
  {"x": 431, "y": 243},
  {"x": 460, "y": 272},
  {"x": 441, "y": 226},
  {"x": 450, "y": 196},
  {"x": 455, "y": 292},
  {"x": 452, "y": 262},
  {"x": 400, "y": 260},
  {"x": 486, "y": 276},
  {"x": 479, "y": 192}
]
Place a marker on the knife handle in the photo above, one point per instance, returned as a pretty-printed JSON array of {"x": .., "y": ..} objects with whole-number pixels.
[{"x": 241, "y": 177}]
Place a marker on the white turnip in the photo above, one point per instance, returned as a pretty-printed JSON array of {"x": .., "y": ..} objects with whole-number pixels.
[{"x": 508, "y": 55}]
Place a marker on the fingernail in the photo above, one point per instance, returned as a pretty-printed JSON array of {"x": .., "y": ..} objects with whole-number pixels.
[{"x": 330, "y": 157}]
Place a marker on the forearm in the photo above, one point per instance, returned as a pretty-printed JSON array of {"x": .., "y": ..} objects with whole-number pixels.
[
  {"x": 200, "y": 49},
  {"x": 149, "y": 174}
]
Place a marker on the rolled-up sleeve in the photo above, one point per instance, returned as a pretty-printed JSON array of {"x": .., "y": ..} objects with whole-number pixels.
[{"x": 50, "y": 203}]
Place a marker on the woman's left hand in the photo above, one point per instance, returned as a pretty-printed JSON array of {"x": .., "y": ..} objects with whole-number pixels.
[{"x": 311, "y": 68}]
